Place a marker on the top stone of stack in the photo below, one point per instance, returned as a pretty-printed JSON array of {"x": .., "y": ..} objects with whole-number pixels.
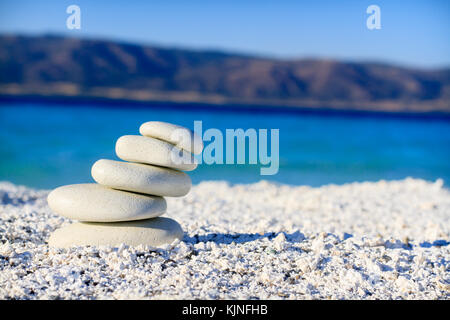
[
  {"x": 161, "y": 144},
  {"x": 181, "y": 137}
]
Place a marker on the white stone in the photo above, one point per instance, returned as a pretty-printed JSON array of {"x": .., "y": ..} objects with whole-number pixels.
[
  {"x": 95, "y": 203},
  {"x": 151, "y": 232},
  {"x": 153, "y": 151},
  {"x": 141, "y": 178},
  {"x": 180, "y": 136}
]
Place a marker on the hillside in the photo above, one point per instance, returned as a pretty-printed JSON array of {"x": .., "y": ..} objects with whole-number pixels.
[{"x": 51, "y": 66}]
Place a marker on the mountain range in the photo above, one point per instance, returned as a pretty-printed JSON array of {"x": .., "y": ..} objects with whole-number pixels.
[{"x": 50, "y": 66}]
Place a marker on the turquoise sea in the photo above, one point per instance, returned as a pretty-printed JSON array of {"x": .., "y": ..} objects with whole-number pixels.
[{"x": 45, "y": 145}]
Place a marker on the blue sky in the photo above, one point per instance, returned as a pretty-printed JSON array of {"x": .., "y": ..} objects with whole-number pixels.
[{"x": 413, "y": 33}]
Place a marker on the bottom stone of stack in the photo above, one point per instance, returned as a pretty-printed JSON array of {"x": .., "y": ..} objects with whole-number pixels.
[{"x": 152, "y": 232}]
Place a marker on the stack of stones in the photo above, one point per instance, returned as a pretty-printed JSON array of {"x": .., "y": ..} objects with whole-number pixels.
[{"x": 125, "y": 204}]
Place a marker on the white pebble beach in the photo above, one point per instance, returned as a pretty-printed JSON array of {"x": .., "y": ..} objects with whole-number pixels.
[{"x": 371, "y": 240}]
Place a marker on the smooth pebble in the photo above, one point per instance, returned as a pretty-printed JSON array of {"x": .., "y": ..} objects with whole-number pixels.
[
  {"x": 141, "y": 178},
  {"x": 151, "y": 232},
  {"x": 96, "y": 203},
  {"x": 148, "y": 150},
  {"x": 182, "y": 137}
]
